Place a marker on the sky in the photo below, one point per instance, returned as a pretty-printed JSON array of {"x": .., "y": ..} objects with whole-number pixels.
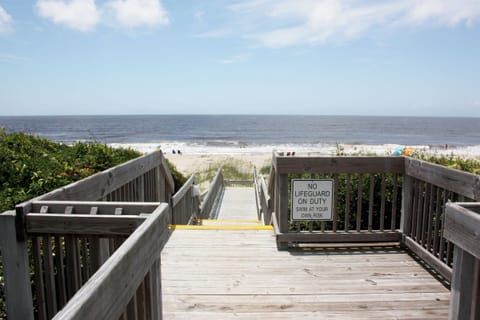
[{"x": 325, "y": 57}]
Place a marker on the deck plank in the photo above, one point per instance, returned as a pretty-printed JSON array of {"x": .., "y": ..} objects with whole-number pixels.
[{"x": 212, "y": 274}]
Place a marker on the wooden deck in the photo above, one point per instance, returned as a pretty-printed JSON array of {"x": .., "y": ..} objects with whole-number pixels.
[{"x": 219, "y": 274}]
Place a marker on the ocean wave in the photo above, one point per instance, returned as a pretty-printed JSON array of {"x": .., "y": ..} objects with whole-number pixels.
[{"x": 237, "y": 147}]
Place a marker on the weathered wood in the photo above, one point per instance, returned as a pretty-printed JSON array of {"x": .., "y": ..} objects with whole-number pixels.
[
  {"x": 371, "y": 202},
  {"x": 101, "y": 207},
  {"x": 462, "y": 228},
  {"x": 461, "y": 182},
  {"x": 180, "y": 194},
  {"x": 427, "y": 256},
  {"x": 463, "y": 301},
  {"x": 108, "y": 291},
  {"x": 215, "y": 188},
  {"x": 99, "y": 185},
  {"x": 350, "y": 236},
  {"x": 50, "y": 289},
  {"x": 359, "y": 202},
  {"x": 282, "y": 180},
  {"x": 339, "y": 164},
  {"x": 315, "y": 283},
  {"x": 346, "y": 221},
  {"x": 59, "y": 263},
  {"x": 16, "y": 270},
  {"x": 394, "y": 202},
  {"x": 82, "y": 224}
]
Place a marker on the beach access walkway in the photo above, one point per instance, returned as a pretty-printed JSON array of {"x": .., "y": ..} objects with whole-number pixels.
[
  {"x": 401, "y": 243},
  {"x": 230, "y": 268}
]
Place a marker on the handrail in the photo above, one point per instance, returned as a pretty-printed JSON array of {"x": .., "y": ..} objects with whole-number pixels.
[
  {"x": 177, "y": 197},
  {"x": 185, "y": 203},
  {"x": 215, "y": 188},
  {"x": 265, "y": 202},
  {"x": 108, "y": 291},
  {"x": 462, "y": 225},
  {"x": 257, "y": 195},
  {"x": 141, "y": 181}
]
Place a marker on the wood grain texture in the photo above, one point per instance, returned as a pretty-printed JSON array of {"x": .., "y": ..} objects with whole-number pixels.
[
  {"x": 462, "y": 227},
  {"x": 82, "y": 224},
  {"x": 339, "y": 164},
  {"x": 460, "y": 182},
  {"x": 108, "y": 291},
  {"x": 242, "y": 275}
]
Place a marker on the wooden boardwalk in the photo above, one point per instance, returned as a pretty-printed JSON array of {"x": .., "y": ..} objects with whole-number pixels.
[
  {"x": 237, "y": 208},
  {"x": 219, "y": 274}
]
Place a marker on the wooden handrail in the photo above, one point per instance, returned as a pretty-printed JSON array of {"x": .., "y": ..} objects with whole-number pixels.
[
  {"x": 462, "y": 226},
  {"x": 177, "y": 197},
  {"x": 214, "y": 189},
  {"x": 108, "y": 291},
  {"x": 185, "y": 203}
]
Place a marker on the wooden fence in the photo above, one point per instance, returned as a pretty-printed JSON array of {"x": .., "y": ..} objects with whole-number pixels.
[
  {"x": 185, "y": 203},
  {"x": 73, "y": 230},
  {"x": 215, "y": 189},
  {"x": 462, "y": 225},
  {"x": 377, "y": 199}
]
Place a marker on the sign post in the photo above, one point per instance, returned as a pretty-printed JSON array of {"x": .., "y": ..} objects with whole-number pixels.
[{"x": 312, "y": 199}]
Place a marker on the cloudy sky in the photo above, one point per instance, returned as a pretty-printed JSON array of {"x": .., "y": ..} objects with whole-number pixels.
[{"x": 344, "y": 57}]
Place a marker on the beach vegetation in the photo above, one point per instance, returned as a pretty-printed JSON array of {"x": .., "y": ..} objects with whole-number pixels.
[
  {"x": 452, "y": 161},
  {"x": 232, "y": 169},
  {"x": 32, "y": 166}
]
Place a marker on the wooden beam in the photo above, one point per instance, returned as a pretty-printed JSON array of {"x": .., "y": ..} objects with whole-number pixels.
[
  {"x": 82, "y": 224},
  {"x": 429, "y": 258},
  {"x": 461, "y": 182},
  {"x": 177, "y": 197},
  {"x": 339, "y": 164},
  {"x": 462, "y": 299},
  {"x": 108, "y": 291},
  {"x": 339, "y": 237},
  {"x": 16, "y": 271},
  {"x": 462, "y": 227},
  {"x": 105, "y": 208},
  {"x": 99, "y": 185}
]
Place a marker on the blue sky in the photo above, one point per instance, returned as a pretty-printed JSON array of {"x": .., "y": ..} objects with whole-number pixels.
[{"x": 344, "y": 57}]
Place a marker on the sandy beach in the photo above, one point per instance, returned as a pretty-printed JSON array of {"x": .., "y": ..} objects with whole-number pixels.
[{"x": 191, "y": 163}]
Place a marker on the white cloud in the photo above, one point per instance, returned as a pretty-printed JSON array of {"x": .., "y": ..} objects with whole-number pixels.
[
  {"x": 135, "y": 13},
  {"x": 81, "y": 15},
  {"x": 5, "y": 21},
  {"x": 281, "y": 23}
]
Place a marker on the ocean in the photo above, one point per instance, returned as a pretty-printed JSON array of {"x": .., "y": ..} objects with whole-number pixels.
[{"x": 256, "y": 133}]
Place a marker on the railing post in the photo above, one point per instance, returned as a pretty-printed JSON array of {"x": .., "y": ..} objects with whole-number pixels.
[
  {"x": 464, "y": 286},
  {"x": 156, "y": 291},
  {"x": 281, "y": 192},
  {"x": 18, "y": 291},
  {"x": 406, "y": 210}
]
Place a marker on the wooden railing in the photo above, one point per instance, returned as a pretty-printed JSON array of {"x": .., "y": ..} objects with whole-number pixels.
[
  {"x": 462, "y": 228},
  {"x": 428, "y": 188},
  {"x": 214, "y": 190},
  {"x": 377, "y": 199},
  {"x": 62, "y": 262},
  {"x": 128, "y": 283},
  {"x": 370, "y": 212},
  {"x": 265, "y": 201},
  {"x": 185, "y": 203}
]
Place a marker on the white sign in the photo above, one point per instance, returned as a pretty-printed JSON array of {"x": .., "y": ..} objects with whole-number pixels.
[{"x": 312, "y": 199}]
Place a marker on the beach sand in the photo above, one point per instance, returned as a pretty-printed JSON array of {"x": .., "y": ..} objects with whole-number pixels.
[{"x": 192, "y": 163}]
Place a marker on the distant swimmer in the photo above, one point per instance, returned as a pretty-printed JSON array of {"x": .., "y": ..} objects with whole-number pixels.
[
  {"x": 179, "y": 152},
  {"x": 173, "y": 151}
]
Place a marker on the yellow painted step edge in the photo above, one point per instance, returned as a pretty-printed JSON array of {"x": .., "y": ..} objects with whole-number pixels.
[
  {"x": 194, "y": 227},
  {"x": 227, "y": 220}
]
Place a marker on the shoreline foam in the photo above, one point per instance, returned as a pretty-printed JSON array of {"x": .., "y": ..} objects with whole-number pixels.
[{"x": 197, "y": 157}]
